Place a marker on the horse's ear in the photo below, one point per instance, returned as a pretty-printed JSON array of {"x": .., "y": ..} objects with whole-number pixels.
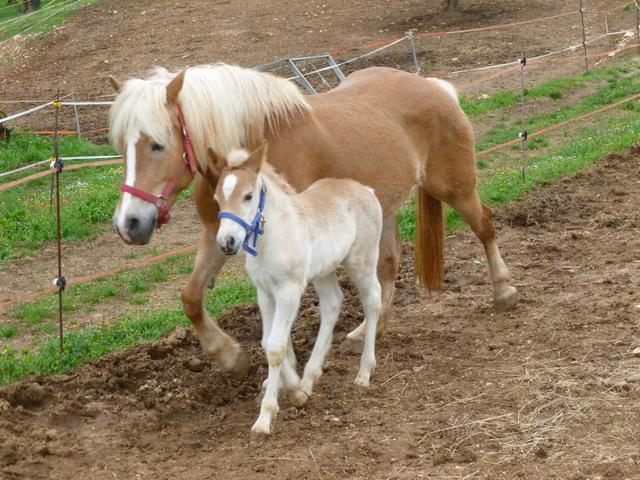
[
  {"x": 174, "y": 87},
  {"x": 115, "y": 83},
  {"x": 216, "y": 162},
  {"x": 258, "y": 156}
]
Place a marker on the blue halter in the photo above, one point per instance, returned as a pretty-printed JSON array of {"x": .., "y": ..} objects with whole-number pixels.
[{"x": 257, "y": 224}]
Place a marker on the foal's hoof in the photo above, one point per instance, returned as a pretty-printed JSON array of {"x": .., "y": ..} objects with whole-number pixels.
[
  {"x": 506, "y": 300},
  {"x": 362, "y": 380},
  {"x": 299, "y": 398},
  {"x": 260, "y": 430}
]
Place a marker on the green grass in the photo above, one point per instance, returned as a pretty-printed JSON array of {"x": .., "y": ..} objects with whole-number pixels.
[
  {"x": 50, "y": 14},
  {"x": 8, "y": 330},
  {"x": 128, "y": 285},
  {"x": 25, "y": 148},
  {"x": 128, "y": 330},
  {"x": 475, "y": 107},
  {"x": 88, "y": 195},
  {"x": 617, "y": 88}
]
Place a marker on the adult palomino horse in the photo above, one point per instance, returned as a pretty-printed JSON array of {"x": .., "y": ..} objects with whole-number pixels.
[
  {"x": 293, "y": 239},
  {"x": 385, "y": 128}
]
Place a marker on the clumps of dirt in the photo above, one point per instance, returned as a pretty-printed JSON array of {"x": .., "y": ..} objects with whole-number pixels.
[
  {"x": 31, "y": 396},
  {"x": 545, "y": 205},
  {"x": 535, "y": 213}
]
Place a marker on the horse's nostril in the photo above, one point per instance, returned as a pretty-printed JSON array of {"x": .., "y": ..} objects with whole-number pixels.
[
  {"x": 231, "y": 242},
  {"x": 133, "y": 225}
]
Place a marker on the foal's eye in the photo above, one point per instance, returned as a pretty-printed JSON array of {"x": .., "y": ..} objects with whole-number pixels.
[
  {"x": 156, "y": 147},
  {"x": 248, "y": 197}
]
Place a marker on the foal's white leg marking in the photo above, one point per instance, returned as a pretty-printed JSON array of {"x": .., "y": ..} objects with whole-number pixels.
[
  {"x": 330, "y": 298},
  {"x": 130, "y": 180},
  {"x": 287, "y": 302},
  {"x": 228, "y": 185}
]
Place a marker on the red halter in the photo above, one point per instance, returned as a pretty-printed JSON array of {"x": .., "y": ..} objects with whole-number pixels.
[{"x": 188, "y": 163}]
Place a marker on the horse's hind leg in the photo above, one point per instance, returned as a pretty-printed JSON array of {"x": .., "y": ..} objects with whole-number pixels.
[
  {"x": 479, "y": 218},
  {"x": 330, "y": 297}
]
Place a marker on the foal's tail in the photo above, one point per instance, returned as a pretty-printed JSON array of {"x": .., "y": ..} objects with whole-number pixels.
[{"x": 429, "y": 256}]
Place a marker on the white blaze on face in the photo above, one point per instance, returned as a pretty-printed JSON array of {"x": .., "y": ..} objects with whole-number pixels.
[
  {"x": 129, "y": 180},
  {"x": 229, "y": 184}
]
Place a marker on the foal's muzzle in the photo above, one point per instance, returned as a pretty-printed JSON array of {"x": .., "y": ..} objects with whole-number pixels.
[{"x": 229, "y": 245}]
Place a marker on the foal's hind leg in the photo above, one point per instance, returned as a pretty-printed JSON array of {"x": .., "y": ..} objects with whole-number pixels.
[
  {"x": 330, "y": 297},
  {"x": 479, "y": 218},
  {"x": 369, "y": 291},
  {"x": 388, "y": 262}
]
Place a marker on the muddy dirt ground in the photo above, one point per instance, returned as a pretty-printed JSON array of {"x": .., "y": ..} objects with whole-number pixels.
[{"x": 547, "y": 390}]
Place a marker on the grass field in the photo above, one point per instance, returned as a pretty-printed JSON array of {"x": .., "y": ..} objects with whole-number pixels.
[
  {"x": 50, "y": 14},
  {"x": 95, "y": 193}
]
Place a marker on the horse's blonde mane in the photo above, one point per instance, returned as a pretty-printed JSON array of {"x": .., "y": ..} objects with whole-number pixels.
[{"x": 225, "y": 107}]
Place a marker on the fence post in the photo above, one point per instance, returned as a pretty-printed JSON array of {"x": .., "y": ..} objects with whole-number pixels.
[
  {"x": 637, "y": 24},
  {"x": 60, "y": 281},
  {"x": 584, "y": 39},
  {"x": 523, "y": 132},
  {"x": 413, "y": 52},
  {"x": 76, "y": 113}
]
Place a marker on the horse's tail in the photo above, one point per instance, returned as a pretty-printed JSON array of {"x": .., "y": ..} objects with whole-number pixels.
[{"x": 429, "y": 255}]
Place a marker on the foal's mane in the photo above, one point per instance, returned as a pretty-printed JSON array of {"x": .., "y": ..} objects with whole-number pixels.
[
  {"x": 277, "y": 178},
  {"x": 224, "y": 106}
]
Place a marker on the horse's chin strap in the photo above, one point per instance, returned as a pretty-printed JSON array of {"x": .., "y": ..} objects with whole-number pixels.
[
  {"x": 255, "y": 228},
  {"x": 188, "y": 163}
]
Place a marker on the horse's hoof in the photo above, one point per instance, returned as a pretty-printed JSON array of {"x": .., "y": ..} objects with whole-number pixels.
[
  {"x": 235, "y": 362},
  {"x": 242, "y": 364},
  {"x": 506, "y": 300}
]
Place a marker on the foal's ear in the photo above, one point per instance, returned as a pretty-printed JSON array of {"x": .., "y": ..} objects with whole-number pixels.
[
  {"x": 174, "y": 87},
  {"x": 257, "y": 157},
  {"x": 115, "y": 83},
  {"x": 216, "y": 162}
]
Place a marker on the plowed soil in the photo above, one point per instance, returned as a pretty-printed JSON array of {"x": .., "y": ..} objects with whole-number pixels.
[{"x": 547, "y": 390}]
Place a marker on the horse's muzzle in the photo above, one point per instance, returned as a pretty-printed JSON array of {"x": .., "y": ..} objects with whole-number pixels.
[{"x": 137, "y": 230}]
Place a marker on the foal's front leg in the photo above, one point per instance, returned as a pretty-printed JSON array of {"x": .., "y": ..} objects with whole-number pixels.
[
  {"x": 289, "y": 376},
  {"x": 287, "y": 302}
]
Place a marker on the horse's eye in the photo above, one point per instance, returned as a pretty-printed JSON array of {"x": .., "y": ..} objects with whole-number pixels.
[
  {"x": 248, "y": 197},
  {"x": 156, "y": 147}
]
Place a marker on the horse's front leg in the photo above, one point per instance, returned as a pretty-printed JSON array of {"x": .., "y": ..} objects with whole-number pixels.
[
  {"x": 217, "y": 344},
  {"x": 276, "y": 345}
]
